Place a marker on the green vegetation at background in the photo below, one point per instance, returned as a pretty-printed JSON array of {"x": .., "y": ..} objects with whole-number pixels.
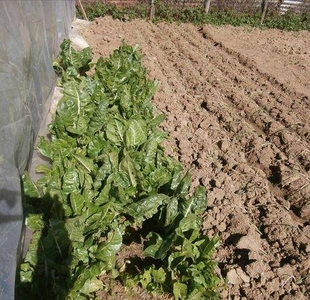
[
  {"x": 196, "y": 15},
  {"x": 110, "y": 183}
]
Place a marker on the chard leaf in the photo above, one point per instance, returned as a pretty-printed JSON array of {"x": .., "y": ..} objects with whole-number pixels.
[
  {"x": 43, "y": 169},
  {"x": 96, "y": 146},
  {"x": 172, "y": 211},
  {"x": 80, "y": 253},
  {"x": 35, "y": 221},
  {"x": 159, "y": 275},
  {"x": 157, "y": 120},
  {"x": 184, "y": 185},
  {"x": 177, "y": 177},
  {"x": 106, "y": 251},
  {"x": 153, "y": 244},
  {"x": 86, "y": 279},
  {"x": 71, "y": 108},
  {"x": 115, "y": 131},
  {"x": 56, "y": 243},
  {"x": 156, "y": 247},
  {"x": 74, "y": 227},
  {"x": 159, "y": 177},
  {"x": 136, "y": 133},
  {"x": 69, "y": 57},
  {"x": 77, "y": 202},
  {"x": 190, "y": 222},
  {"x": 179, "y": 290},
  {"x": 127, "y": 171},
  {"x": 207, "y": 245},
  {"x": 91, "y": 286},
  {"x": 26, "y": 273},
  {"x": 196, "y": 204},
  {"x": 86, "y": 162},
  {"x": 45, "y": 148},
  {"x": 70, "y": 182},
  {"x": 146, "y": 208},
  {"x": 30, "y": 188}
]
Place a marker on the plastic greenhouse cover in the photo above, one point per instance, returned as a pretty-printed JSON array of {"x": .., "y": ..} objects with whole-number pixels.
[{"x": 30, "y": 35}]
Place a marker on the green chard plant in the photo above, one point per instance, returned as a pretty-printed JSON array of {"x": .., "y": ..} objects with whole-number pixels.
[{"x": 108, "y": 179}]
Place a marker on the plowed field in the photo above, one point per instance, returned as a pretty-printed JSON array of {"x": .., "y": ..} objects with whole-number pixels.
[{"x": 237, "y": 102}]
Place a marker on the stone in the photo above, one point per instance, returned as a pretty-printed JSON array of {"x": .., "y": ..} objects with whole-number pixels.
[
  {"x": 245, "y": 278},
  {"x": 233, "y": 277}
]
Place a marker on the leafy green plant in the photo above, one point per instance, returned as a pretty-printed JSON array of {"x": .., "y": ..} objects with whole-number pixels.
[
  {"x": 109, "y": 177},
  {"x": 95, "y": 9},
  {"x": 225, "y": 13}
]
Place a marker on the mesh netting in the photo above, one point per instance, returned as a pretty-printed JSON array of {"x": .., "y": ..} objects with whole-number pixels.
[{"x": 30, "y": 34}]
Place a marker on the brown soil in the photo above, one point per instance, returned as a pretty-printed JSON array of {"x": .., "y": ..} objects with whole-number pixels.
[{"x": 237, "y": 102}]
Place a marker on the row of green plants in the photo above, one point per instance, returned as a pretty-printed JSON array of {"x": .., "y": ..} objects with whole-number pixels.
[
  {"x": 196, "y": 15},
  {"x": 109, "y": 183}
]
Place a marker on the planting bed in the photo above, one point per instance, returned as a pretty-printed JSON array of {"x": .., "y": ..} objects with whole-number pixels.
[{"x": 237, "y": 102}]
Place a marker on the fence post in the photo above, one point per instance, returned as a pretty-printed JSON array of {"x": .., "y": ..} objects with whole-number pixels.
[
  {"x": 152, "y": 14},
  {"x": 82, "y": 9},
  {"x": 264, "y": 10},
  {"x": 207, "y": 5}
]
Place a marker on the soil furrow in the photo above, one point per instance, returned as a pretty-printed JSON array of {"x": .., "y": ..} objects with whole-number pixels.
[
  {"x": 236, "y": 128},
  {"x": 264, "y": 121}
]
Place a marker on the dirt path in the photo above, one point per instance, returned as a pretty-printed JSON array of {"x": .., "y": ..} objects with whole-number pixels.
[{"x": 237, "y": 102}]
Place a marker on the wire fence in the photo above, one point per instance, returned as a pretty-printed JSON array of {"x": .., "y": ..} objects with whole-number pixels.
[
  {"x": 281, "y": 6},
  {"x": 157, "y": 7}
]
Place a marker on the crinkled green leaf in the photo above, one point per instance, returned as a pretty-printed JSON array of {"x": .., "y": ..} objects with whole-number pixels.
[
  {"x": 74, "y": 227},
  {"x": 159, "y": 177},
  {"x": 146, "y": 208},
  {"x": 26, "y": 273},
  {"x": 157, "y": 247},
  {"x": 43, "y": 169},
  {"x": 179, "y": 290},
  {"x": 196, "y": 204},
  {"x": 71, "y": 108},
  {"x": 91, "y": 286},
  {"x": 190, "y": 222},
  {"x": 86, "y": 162},
  {"x": 71, "y": 63},
  {"x": 159, "y": 275},
  {"x": 136, "y": 133},
  {"x": 157, "y": 120},
  {"x": 153, "y": 244},
  {"x": 115, "y": 131},
  {"x": 77, "y": 202},
  {"x": 172, "y": 211},
  {"x": 35, "y": 221},
  {"x": 44, "y": 147},
  {"x": 29, "y": 187},
  {"x": 106, "y": 251},
  {"x": 70, "y": 181},
  {"x": 127, "y": 171},
  {"x": 184, "y": 185}
]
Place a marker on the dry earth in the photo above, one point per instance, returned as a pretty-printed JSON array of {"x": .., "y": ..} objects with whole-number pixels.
[{"x": 237, "y": 102}]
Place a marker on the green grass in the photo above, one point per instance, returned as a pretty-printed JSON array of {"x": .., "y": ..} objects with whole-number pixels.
[{"x": 197, "y": 16}]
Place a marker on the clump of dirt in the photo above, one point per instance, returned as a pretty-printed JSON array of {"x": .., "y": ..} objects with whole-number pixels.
[{"x": 237, "y": 102}]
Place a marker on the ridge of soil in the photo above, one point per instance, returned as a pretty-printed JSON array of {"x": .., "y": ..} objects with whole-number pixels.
[{"x": 237, "y": 102}]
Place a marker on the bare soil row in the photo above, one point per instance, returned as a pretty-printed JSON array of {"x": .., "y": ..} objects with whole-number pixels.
[{"x": 244, "y": 132}]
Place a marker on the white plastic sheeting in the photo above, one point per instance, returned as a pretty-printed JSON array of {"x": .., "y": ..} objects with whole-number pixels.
[{"x": 30, "y": 35}]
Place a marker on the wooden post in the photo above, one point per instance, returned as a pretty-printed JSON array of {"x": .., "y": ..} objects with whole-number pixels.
[
  {"x": 264, "y": 10},
  {"x": 152, "y": 14},
  {"x": 207, "y": 5},
  {"x": 82, "y": 9}
]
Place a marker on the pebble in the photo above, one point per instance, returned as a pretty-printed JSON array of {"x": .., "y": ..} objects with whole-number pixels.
[{"x": 233, "y": 277}]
